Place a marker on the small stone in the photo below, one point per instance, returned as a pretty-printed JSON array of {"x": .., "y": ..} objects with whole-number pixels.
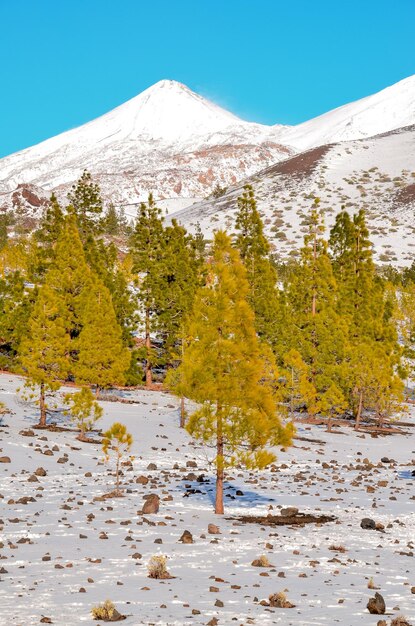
[
  {"x": 289, "y": 511},
  {"x": 141, "y": 480},
  {"x": 151, "y": 504},
  {"x": 213, "y": 529},
  {"x": 186, "y": 537}
]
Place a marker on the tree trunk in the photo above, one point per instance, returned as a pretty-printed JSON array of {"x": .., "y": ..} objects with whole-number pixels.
[
  {"x": 42, "y": 405},
  {"x": 149, "y": 378},
  {"x": 219, "y": 468},
  {"x": 81, "y": 435},
  {"x": 182, "y": 413},
  {"x": 359, "y": 411},
  {"x": 118, "y": 474}
]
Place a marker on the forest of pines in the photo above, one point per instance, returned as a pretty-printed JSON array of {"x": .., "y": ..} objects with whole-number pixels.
[{"x": 90, "y": 299}]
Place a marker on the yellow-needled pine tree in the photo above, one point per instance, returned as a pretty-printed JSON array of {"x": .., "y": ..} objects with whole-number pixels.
[
  {"x": 228, "y": 372},
  {"x": 44, "y": 352},
  {"x": 102, "y": 358}
]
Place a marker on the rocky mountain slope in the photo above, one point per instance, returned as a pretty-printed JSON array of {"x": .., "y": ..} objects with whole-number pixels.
[{"x": 376, "y": 174}]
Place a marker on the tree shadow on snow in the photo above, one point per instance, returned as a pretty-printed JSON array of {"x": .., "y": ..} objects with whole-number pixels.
[{"x": 234, "y": 494}]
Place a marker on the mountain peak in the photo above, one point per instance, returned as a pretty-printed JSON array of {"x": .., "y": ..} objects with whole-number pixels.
[
  {"x": 167, "y": 83},
  {"x": 167, "y": 111}
]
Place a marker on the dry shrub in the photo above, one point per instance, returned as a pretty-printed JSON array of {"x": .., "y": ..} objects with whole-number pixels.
[
  {"x": 261, "y": 562},
  {"x": 279, "y": 600},
  {"x": 400, "y": 620},
  {"x": 337, "y": 548},
  {"x": 157, "y": 567},
  {"x": 106, "y": 612}
]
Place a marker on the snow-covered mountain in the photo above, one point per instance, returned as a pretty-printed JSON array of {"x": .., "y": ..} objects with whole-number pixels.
[
  {"x": 389, "y": 109},
  {"x": 167, "y": 139},
  {"x": 179, "y": 145},
  {"x": 376, "y": 174}
]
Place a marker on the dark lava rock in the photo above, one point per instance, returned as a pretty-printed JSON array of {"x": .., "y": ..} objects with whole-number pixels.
[
  {"x": 376, "y": 605},
  {"x": 151, "y": 504},
  {"x": 368, "y": 524}
]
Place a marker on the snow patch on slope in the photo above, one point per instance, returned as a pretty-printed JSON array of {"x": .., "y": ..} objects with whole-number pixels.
[{"x": 389, "y": 109}]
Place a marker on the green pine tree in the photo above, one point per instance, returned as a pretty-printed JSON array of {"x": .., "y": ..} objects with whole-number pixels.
[
  {"x": 313, "y": 327},
  {"x": 367, "y": 309},
  {"x": 84, "y": 410},
  {"x": 148, "y": 254},
  {"x": 69, "y": 275},
  {"x": 118, "y": 441},
  {"x": 16, "y": 304},
  {"x": 45, "y": 238},
  {"x": 44, "y": 352},
  {"x": 254, "y": 249},
  {"x": 111, "y": 224},
  {"x": 86, "y": 204},
  {"x": 228, "y": 372},
  {"x": 180, "y": 280},
  {"x": 102, "y": 359}
]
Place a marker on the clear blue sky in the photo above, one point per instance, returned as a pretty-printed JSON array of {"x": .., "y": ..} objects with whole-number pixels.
[{"x": 65, "y": 62}]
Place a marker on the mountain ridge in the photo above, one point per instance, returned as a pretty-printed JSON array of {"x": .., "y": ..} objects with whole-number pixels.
[{"x": 178, "y": 145}]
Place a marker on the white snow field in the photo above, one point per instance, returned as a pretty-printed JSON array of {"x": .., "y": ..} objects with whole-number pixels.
[{"x": 54, "y": 564}]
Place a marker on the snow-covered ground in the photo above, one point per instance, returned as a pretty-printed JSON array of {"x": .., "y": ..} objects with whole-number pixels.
[{"x": 51, "y": 548}]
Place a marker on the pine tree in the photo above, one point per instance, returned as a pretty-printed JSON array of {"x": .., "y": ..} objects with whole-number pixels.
[
  {"x": 180, "y": 279},
  {"x": 228, "y": 372},
  {"x": 332, "y": 403},
  {"x": 373, "y": 381},
  {"x": 148, "y": 254},
  {"x": 16, "y": 304},
  {"x": 102, "y": 358},
  {"x": 4, "y": 229},
  {"x": 86, "y": 204},
  {"x": 102, "y": 259},
  {"x": 119, "y": 441},
  {"x": 313, "y": 327},
  {"x": 44, "y": 352},
  {"x": 254, "y": 249},
  {"x": 405, "y": 318},
  {"x": 45, "y": 238},
  {"x": 298, "y": 390},
  {"x": 84, "y": 410},
  {"x": 69, "y": 275},
  {"x": 111, "y": 225},
  {"x": 366, "y": 307},
  {"x": 360, "y": 291},
  {"x": 198, "y": 243}
]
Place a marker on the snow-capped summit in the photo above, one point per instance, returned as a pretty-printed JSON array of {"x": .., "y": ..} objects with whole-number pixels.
[
  {"x": 169, "y": 111},
  {"x": 167, "y": 139}
]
